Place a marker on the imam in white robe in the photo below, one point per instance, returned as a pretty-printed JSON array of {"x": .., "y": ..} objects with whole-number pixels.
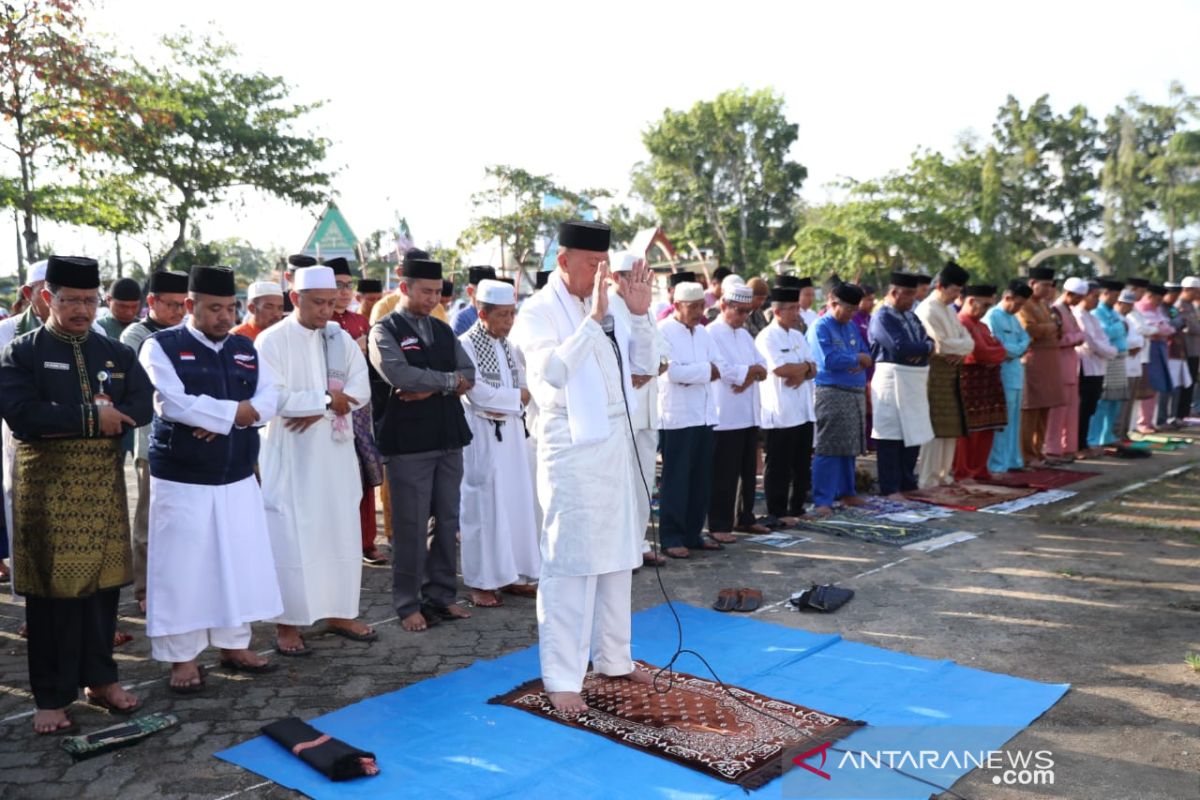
[
  {"x": 310, "y": 481},
  {"x": 209, "y": 560},
  {"x": 498, "y": 526}
]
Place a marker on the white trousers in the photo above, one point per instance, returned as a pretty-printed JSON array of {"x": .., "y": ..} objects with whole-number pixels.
[
  {"x": 583, "y": 614},
  {"x": 937, "y": 463},
  {"x": 180, "y": 647}
]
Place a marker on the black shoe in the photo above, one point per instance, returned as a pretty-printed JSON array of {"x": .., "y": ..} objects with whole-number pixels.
[{"x": 772, "y": 522}]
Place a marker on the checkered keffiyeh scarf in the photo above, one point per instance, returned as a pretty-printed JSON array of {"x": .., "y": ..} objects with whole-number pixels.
[{"x": 487, "y": 367}]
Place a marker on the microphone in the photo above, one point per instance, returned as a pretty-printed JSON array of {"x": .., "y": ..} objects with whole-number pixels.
[{"x": 608, "y": 326}]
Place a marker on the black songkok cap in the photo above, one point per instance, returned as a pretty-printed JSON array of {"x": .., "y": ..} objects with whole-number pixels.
[
  {"x": 721, "y": 273},
  {"x": 1020, "y": 289},
  {"x": 953, "y": 275},
  {"x": 340, "y": 266},
  {"x": 125, "y": 289},
  {"x": 216, "y": 281},
  {"x": 848, "y": 293},
  {"x": 415, "y": 252},
  {"x": 509, "y": 281},
  {"x": 681, "y": 277},
  {"x": 867, "y": 288},
  {"x": 1138, "y": 283},
  {"x": 168, "y": 282},
  {"x": 923, "y": 279},
  {"x": 785, "y": 294},
  {"x": 542, "y": 277},
  {"x": 1110, "y": 285},
  {"x": 300, "y": 261},
  {"x": 369, "y": 286},
  {"x": 788, "y": 281},
  {"x": 904, "y": 280},
  {"x": 594, "y": 236},
  {"x": 979, "y": 290},
  {"x": 1041, "y": 273},
  {"x": 447, "y": 288},
  {"x": 73, "y": 272},
  {"x": 422, "y": 268},
  {"x": 477, "y": 274},
  {"x": 1153, "y": 288}
]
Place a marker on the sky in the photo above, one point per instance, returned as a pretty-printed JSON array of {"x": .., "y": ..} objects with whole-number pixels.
[{"x": 421, "y": 96}]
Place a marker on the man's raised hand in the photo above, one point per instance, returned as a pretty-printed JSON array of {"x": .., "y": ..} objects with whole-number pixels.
[
  {"x": 637, "y": 293},
  {"x": 600, "y": 292}
]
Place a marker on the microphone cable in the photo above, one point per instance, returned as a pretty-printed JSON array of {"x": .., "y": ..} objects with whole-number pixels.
[{"x": 680, "y": 650}]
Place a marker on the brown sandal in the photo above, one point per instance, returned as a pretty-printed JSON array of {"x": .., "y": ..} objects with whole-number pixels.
[
  {"x": 748, "y": 600},
  {"x": 727, "y": 600}
]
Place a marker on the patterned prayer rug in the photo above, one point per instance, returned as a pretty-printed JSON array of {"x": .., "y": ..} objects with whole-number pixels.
[
  {"x": 697, "y": 723},
  {"x": 969, "y": 498},
  {"x": 872, "y": 529},
  {"x": 1044, "y": 478}
]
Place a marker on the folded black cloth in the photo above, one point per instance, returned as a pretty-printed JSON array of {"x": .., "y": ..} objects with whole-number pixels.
[
  {"x": 821, "y": 598},
  {"x": 333, "y": 758}
]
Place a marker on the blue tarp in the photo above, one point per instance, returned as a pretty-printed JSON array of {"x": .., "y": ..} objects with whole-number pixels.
[{"x": 440, "y": 737}]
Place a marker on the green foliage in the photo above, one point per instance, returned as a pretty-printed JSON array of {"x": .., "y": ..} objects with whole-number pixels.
[
  {"x": 513, "y": 210},
  {"x": 625, "y": 223},
  {"x": 199, "y": 128},
  {"x": 720, "y": 174}
]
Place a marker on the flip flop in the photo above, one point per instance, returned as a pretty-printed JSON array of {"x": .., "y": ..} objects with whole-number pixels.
[
  {"x": 190, "y": 689},
  {"x": 495, "y": 603},
  {"x": 301, "y": 652},
  {"x": 685, "y": 554},
  {"x": 748, "y": 600},
  {"x": 121, "y": 637},
  {"x": 353, "y": 636},
  {"x": 253, "y": 669},
  {"x": 729, "y": 538},
  {"x": 521, "y": 589},
  {"x": 711, "y": 546},
  {"x": 727, "y": 600},
  {"x": 102, "y": 702}
]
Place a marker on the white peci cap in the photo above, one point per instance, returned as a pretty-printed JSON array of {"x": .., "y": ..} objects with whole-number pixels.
[
  {"x": 314, "y": 278},
  {"x": 688, "y": 292},
  {"x": 263, "y": 289},
  {"x": 495, "y": 293}
]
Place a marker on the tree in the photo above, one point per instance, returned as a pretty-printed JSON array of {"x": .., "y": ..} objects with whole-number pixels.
[
  {"x": 720, "y": 173},
  {"x": 200, "y": 129},
  {"x": 52, "y": 88},
  {"x": 519, "y": 208},
  {"x": 625, "y": 223}
]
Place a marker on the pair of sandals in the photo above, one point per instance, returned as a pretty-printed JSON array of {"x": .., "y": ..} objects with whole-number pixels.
[
  {"x": 738, "y": 600},
  {"x": 686, "y": 552}
]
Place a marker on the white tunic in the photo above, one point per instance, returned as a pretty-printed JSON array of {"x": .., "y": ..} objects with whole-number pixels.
[
  {"x": 497, "y": 517},
  {"x": 784, "y": 406},
  {"x": 587, "y": 491},
  {"x": 736, "y": 353},
  {"x": 310, "y": 482},
  {"x": 209, "y": 563},
  {"x": 687, "y": 396}
]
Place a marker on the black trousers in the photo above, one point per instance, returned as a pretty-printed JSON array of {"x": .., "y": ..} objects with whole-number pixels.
[
  {"x": 897, "y": 465},
  {"x": 687, "y": 459},
  {"x": 787, "y": 471},
  {"x": 70, "y": 645},
  {"x": 735, "y": 460},
  {"x": 1091, "y": 387},
  {"x": 1186, "y": 395}
]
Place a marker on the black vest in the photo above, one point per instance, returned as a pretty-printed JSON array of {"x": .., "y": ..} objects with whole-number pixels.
[
  {"x": 232, "y": 374},
  {"x": 435, "y": 423}
]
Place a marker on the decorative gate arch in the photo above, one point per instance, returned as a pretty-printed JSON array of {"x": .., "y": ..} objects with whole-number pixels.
[{"x": 1102, "y": 266}]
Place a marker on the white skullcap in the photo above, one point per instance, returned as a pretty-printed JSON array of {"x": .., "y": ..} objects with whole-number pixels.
[
  {"x": 495, "y": 293},
  {"x": 622, "y": 261},
  {"x": 731, "y": 281},
  {"x": 1191, "y": 282},
  {"x": 1128, "y": 296},
  {"x": 37, "y": 272},
  {"x": 738, "y": 293},
  {"x": 1076, "y": 286},
  {"x": 688, "y": 292},
  {"x": 263, "y": 289},
  {"x": 314, "y": 278}
]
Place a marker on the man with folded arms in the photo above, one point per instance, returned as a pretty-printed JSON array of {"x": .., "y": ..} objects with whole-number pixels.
[
  {"x": 984, "y": 405},
  {"x": 1002, "y": 321}
]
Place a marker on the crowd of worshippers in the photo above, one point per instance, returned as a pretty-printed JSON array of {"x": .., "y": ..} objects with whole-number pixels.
[{"x": 260, "y": 448}]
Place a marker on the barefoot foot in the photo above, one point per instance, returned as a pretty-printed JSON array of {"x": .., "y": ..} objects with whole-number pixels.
[
  {"x": 567, "y": 702},
  {"x": 414, "y": 622},
  {"x": 51, "y": 720}
]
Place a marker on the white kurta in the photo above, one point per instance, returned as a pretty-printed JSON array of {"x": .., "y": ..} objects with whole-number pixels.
[
  {"x": 646, "y": 422},
  {"x": 311, "y": 484},
  {"x": 498, "y": 526},
  {"x": 209, "y": 562},
  {"x": 784, "y": 406}
]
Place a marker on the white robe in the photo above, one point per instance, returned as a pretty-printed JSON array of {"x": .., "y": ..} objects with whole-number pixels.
[
  {"x": 311, "y": 484},
  {"x": 209, "y": 561},
  {"x": 496, "y": 519},
  {"x": 588, "y": 491}
]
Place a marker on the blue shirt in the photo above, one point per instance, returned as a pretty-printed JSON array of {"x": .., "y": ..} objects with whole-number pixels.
[
  {"x": 463, "y": 319},
  {"x": 898, "y": 337},
  {"x": 836, "y": 346},
  {"x": 1114, "y": 327},
  {"x": 1007, "y": 328}
]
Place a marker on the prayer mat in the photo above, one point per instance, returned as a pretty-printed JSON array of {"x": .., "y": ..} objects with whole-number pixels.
[
  {"x": 1157, "y": 447},
  {"x": 875, "y": 531},
  {"x": 1041, "y": 479},
  {"x": 439, "y": 737},
  {"x": 732, "y": 734},
  {"x": 1022, "y": 503},
  {"x": 969, "y": 498}
]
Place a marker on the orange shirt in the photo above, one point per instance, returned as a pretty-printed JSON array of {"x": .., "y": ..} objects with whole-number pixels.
[{"x": 247, "y": 329}]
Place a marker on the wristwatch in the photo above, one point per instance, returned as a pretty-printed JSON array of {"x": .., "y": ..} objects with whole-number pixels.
[{"x": 328, "y": 400}]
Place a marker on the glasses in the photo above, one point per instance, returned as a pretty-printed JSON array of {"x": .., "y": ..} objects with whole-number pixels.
[
  {"x": 84, "y": 302},
  {"x": 168, "y": 306}
]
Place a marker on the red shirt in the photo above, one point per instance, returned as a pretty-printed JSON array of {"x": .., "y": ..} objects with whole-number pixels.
[
  {"x": 988, "y": 349},
  {"x": 354, "y": 324}
]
